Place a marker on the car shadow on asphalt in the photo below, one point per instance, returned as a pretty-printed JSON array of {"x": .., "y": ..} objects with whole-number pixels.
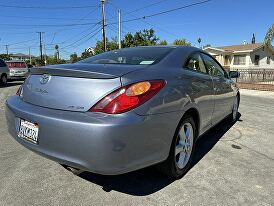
[
  {"x": 148, "y": 181},
  {"x": 12, "y": 84}
]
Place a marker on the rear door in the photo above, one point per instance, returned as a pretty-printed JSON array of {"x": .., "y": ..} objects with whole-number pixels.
[{"x": 223, "y": 92}]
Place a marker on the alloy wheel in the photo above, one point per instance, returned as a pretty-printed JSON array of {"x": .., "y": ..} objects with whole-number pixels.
[{"x": 184, "y": 145}]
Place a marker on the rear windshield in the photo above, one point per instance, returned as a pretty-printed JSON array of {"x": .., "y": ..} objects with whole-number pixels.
[
  {"x": 130, "y": 56},
  {"x": 16, "y": 64}
]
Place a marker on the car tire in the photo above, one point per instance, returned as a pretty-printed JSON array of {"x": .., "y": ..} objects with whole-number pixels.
[
  {"x": 3, "y": 80},
  {"x": 234, "y": 114},
  {"x": 182, "y": 149}
]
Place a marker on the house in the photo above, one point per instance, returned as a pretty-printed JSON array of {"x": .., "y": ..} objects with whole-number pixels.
[
  {"x": 90, "y": 50},
  {"x": 20, "y": 56},
  {"x": 245, "y": 56}
]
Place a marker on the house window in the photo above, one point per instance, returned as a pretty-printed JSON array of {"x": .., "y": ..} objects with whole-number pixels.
[
  {"x": 239, "y": 59},
  {"x": 268, "y": 60},
  {"x": 257, "y": 59}
]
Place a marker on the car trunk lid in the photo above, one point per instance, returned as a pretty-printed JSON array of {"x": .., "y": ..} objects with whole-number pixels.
[{"x": 73, "y": 87}]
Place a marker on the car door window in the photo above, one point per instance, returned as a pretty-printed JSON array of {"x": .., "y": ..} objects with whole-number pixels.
[
  {"x": 195, "y": 62},
  {"x": 213, "y": 67}
]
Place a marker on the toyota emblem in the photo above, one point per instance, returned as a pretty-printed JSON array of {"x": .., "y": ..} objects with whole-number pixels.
[{"x": 45, "y": 78}]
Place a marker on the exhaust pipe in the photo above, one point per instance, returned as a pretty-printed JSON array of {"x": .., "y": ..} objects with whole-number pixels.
[{"x": 73, "y": 170}]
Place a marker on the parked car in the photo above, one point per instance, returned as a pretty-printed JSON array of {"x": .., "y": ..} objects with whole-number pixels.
[
  {"x": 4, "y": 72},
  {"x": 18, "y": 69},
  {"x": 123, "y": 110}
]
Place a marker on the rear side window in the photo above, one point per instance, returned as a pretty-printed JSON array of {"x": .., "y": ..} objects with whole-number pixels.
[
  {"x": 2, "y": 63},
  {"x": 213, "y": 67},
  {"x": 16, "y": 64},
  {"x": 130, "y": 56},
  {"x": 195, "y": 62}
]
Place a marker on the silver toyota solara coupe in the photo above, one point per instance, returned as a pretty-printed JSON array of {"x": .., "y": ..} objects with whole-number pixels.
[{"x": 123, "y": 110}]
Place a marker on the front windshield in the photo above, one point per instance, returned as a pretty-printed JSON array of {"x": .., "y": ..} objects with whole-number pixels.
[{"x": 130, "y": 56}]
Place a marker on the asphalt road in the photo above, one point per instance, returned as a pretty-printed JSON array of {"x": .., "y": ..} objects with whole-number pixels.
[{"x": 234, "y": 165}]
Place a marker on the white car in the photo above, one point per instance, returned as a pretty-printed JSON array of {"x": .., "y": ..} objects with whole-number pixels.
[
  {"x": 18, "y": 69},
  {"x": 4, "y": 72}
]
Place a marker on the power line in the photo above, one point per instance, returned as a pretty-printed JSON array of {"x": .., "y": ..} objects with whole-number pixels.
[
  {"x": 82, "y": 18},
  {"x": 179, "y": 8},
  {"x": 48, "y": 25},
  {"x": 150, "y": 24},
  {"x": 55, "y": 33},
  {"x": 77, "y": 35},
  {"x": 83, "y": 37},
  {"x": 85, "y": 41},
  {"x": 144, "y": 7},
  {"x": 41, "y": 7},
  {"x": 21, "y": 42},
  {"x": 53, "y": 18},
  {"x": 164, "y": 12}
]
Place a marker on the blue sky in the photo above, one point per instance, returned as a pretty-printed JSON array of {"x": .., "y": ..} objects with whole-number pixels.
[{"x": 218, "y": 22}]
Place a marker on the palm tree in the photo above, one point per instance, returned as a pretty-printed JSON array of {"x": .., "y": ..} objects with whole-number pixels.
[
  {"x": 269, "y": 37},
  {"x": 199, "y": 41}
]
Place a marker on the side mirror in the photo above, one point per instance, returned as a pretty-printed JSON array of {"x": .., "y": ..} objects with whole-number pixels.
[{"x": 234, "y": 74}]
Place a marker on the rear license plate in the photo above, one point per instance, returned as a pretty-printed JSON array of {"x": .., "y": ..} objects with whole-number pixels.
[{"x": 28, "y": 131}]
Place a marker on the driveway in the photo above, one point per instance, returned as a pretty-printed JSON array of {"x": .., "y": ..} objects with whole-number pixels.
[{"x": 234, "y": 165}]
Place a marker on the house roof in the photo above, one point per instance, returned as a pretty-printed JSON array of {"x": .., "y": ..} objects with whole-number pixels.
[
  {"x": 20, "y": 55},
  {"x": 242, "y": 47}
]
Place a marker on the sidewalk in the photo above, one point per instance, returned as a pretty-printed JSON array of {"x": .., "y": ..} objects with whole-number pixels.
[{"x": 257, "y": 93}]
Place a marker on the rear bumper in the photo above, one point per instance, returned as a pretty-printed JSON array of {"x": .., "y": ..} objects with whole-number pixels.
[
  {"x": 18, "y": 75},
  {"x": 12, "y": 77},
  {"x": 104, "y": 144}
]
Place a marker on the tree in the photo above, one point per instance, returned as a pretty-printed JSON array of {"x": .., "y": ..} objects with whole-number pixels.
[
  {"x": 181, "y": 42},
  {"x": 163, "y": 42},
  {"x": 111, "y": 45},
  {"x": 269, "y": 36},
  {"x": 146, "y": 37},
  {"x": 199, "y": 41},
  {"x": 86, "y": 54},
  {"x": 53, "y": 60},
  {"x": 253, "y": 40},
  {"x": 5, "y": 57},
  {"x": 207, "y": 45},
  {"x": 73, "y": 58},
  {"x": 57, "y": 51},
  {"x": 37, "y": 62}
]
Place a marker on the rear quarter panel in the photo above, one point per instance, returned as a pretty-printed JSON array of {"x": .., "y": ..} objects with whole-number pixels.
[{"x": 184, "y": 89}]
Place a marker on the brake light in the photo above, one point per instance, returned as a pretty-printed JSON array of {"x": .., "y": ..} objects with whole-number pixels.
[{"x": 128, "y": 97}]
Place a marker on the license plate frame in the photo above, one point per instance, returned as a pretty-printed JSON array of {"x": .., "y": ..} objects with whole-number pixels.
[{"x": 28, "y": 131}]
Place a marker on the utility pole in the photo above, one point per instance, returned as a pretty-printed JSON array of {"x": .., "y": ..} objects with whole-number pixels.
[
  {"x": 103, "y": 24},
  {"x": 29, "y": 56},
  {"x": 7, "y": 49},
  {"x": 119, "y": 28},
  {"x": 40, "y": 46},
  {"x": 45, "y": 55}
]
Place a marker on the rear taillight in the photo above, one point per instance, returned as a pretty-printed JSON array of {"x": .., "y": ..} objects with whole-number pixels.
[{"x": 128, "y": 97}]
